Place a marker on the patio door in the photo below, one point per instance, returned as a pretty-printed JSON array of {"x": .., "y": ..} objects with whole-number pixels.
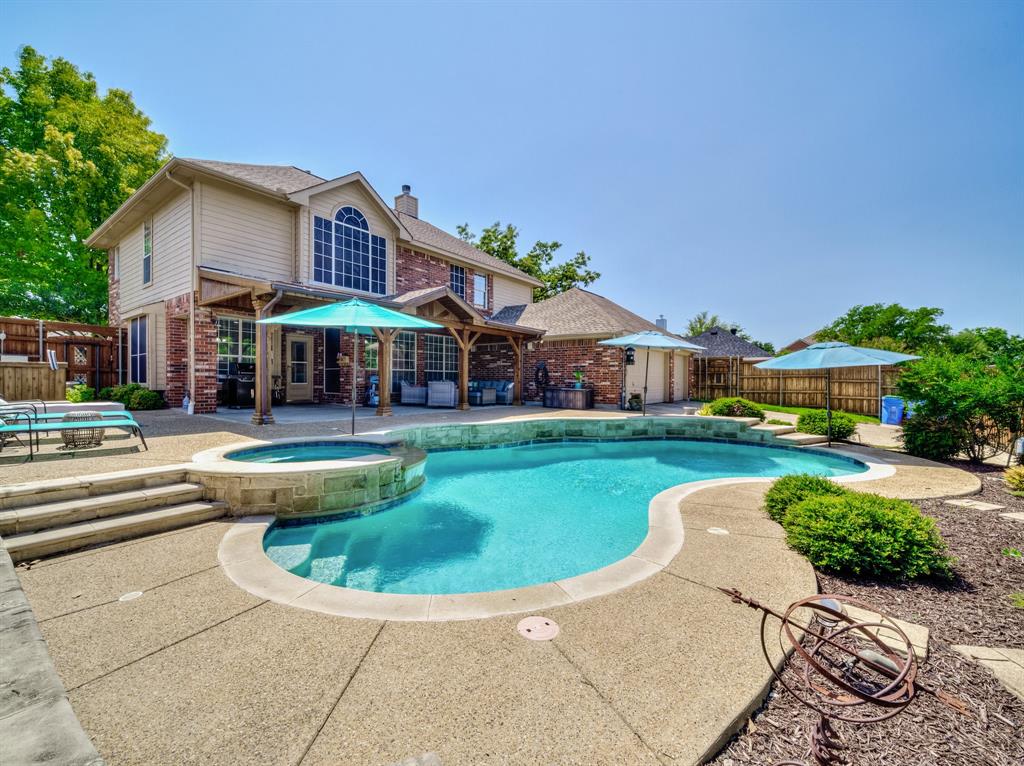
[{"x": 298, "y": 368}]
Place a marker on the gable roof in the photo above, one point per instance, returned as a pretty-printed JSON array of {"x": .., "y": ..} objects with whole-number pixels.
[
  {"x": 276, "y": 178},
  {"x": 576, "y": 313},
  {"x": 437, "y": 239},
  {"x": 721, "y": 342}
]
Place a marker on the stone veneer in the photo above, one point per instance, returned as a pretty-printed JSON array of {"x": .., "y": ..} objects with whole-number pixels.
[{"x": 358, "y": 485}]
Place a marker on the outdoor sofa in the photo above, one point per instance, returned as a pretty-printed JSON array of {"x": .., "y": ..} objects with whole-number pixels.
[{"x": 503, "y": 390}]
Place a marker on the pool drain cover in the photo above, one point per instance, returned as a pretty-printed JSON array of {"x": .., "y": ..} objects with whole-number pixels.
[
  {"x": 537, "y": 628},
  {"x": 131, "y": 596},
  {"x": 718, "y": 531}
]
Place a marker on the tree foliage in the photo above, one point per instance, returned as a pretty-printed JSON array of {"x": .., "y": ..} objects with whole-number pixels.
[
  {"x": 891, "y": 327},
  {"x": 68, "y": 158},
  {"x": 539, "y": 262}
]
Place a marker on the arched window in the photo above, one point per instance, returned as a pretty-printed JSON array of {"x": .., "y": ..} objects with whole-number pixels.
[{"x": 346, "y": 254}]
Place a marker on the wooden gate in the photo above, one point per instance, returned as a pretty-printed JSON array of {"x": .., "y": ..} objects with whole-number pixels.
[{"x": 94, "y": 355}]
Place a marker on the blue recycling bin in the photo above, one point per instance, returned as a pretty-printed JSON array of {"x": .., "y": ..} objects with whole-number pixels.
[{"x": 892, "y": 410}]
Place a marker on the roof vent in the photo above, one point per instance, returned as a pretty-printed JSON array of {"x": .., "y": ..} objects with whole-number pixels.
[
  {"x": 406, "y": 203},
  {"x": 733, "y": 330},
  {"x": 661, "y": 322}
]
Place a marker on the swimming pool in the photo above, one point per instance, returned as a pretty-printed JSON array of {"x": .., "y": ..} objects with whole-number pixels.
[
  {"x": 304, "y": 452},
  {"x": 515, "y": 516}
]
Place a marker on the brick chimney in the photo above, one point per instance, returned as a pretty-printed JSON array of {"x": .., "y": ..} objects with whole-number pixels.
[
  {"x": 662, "y": 323},
  {"x": 406, "y": 203}
]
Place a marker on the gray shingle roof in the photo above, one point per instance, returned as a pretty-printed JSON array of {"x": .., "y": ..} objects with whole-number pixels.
[
  {"x": 721, "y": 342},
  {"x": 438, "y": 239},
  {"x": 576, "y": 312},
  {"x": 277, "y": 178}
]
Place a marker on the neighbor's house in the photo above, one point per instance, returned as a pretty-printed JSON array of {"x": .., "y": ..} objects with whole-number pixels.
[
  {"x": 204, "y": 248},
  {"x": 717, "y": 370},
  {"x": 573, "y": 323}
]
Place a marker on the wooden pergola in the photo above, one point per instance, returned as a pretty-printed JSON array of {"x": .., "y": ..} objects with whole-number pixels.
[{"x": 438, "y": 304}]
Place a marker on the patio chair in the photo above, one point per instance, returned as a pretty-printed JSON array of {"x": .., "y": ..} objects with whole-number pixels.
[
  {"x": 503, "y": 390},
  {"x": 442, "y": 393},
  {"x": 413, "y": 394},
  {"x": 15, "y": 425},
  {"x": 480, "y": 393}
]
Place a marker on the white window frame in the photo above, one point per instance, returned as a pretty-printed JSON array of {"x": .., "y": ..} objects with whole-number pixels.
[
  {"x": 147, "y": 257},
  {"x": 398, "y": 363},
  {"x": 133, "y": 351},
  {"x": 312, "y": 251},
  {"x": 453, "y": 269},
  {"x": 449, "y": 357},
  {"x": 479, "y": 296},
  {"x": 238, "y": 335}
]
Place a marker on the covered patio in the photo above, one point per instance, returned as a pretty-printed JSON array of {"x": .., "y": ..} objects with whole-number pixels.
[{"x": 311, "y": 365}]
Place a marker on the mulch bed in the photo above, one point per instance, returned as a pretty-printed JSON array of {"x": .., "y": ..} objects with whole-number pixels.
[{"x": 973, "y": 609}]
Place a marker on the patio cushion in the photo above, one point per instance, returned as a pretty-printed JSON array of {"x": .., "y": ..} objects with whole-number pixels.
[{"x": 442, "y": 393}]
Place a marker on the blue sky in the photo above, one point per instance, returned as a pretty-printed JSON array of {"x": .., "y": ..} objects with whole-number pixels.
[{"x": 775, "y": 163}]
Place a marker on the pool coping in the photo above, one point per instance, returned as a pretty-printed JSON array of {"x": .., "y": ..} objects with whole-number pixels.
[{"x": 244, "y": 561}]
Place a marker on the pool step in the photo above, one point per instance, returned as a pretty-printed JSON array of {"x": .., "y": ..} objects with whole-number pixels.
[
  {"x": 777, "y": 430},
  {"x": 75, "y": 487},
  {"x": 802, "y": 440},
  {"x": 109, "y": 529},
  {"x": 31, "y": 518}
]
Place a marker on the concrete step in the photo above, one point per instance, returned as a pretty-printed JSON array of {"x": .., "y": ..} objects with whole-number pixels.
[
  {"x": 32, "y": 545},
  {"x": 72, "y": 487},
  {"x": 802, "y": 440},
  {"x": 777, "y": 430},
  {"x": 32, "y": 518}
]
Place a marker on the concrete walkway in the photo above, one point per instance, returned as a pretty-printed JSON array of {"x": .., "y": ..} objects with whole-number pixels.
[{"x": 198, "y": 671}]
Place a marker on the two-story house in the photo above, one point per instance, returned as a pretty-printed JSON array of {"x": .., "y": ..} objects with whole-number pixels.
[{"x": 205, "y": 248}]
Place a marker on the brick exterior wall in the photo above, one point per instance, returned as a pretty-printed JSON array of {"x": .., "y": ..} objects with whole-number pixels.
[
  {"x": 205, "y": 354},
  {"x": 415, "y": 270},
  {"x": 176, "y": 316},
  {"x": 113, "y": 293},
  {"x": 491, "y": 361},
  {"x": 602, "y": 367}
]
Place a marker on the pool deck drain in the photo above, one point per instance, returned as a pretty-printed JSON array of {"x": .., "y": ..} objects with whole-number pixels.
[{"x": 538, "y": 628}]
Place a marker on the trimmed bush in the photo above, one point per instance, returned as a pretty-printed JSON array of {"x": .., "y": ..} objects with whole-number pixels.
[
  {"x": 144, "y": 399},
  {"x": 106, "y": 394},
  {"x": 790, "y": 490},
  {"x": 777, "y": 422},
  {"x": 816, "y": 422},
  {"x": 867, "y": 535},
  {"x": 1015, "y": 478},
  {"x": 79, "y": 394},
  {"x": 734, "y": 407},
  {"x": 933, "y": 438}
]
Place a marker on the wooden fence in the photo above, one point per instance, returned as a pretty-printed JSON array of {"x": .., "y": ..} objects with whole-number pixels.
[
  {"x": 91, "y": 354},
  {"x": 32, "y": 380},
  {"x": 854, "y": 389}
]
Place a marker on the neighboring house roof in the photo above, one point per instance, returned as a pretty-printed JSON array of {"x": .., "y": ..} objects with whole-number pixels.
[
  {"x": 721, "y": 342},
  {"x": 576, "y": 313},
  {"x": 801, "y": 343},
  {"x": 438, "y": 239},
  {"x": 276, "y": 178}
]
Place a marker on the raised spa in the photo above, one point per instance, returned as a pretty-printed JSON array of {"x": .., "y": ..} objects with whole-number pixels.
[
  {"x": 515, "y": 516},
  {"x": 304, "y": 452}
]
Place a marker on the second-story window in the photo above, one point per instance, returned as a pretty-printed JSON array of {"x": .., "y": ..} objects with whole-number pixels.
[
  {"x": 480, "y": 290},
  {"x": 457, "y": 280},
  {"x": 147, "y": 251},
  {"x": 346, "y": 254}
]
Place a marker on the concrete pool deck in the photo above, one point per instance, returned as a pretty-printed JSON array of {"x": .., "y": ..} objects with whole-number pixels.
[{"x": 196, "y": 670}]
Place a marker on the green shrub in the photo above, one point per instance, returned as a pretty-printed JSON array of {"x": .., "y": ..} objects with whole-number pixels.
[
  {"x": 867, "y": 535},
  {"x": 733, "y": 406},
  {"x": 790, "y": 490},
  {"x": 1015, "y": 478},
  {"x": 932, "y": 437},
  {"x": 144, "y": 399},
  {"x": 122, "y": 393},
  {"x": 106, "y": 394},
  {"x": 816, "y": 422},
  {"x": 80, "y": 393},
  {"x": 777, "y": 422}
]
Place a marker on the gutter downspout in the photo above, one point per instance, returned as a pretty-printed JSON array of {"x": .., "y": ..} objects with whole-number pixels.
[{"x": 191, "y": 392}]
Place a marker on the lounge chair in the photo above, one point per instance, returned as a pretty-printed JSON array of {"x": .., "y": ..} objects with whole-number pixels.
[
  {"x": 442, "y": 393},
  {"x": 413, "y": 394},
  {"x": 15, "y": 425}
]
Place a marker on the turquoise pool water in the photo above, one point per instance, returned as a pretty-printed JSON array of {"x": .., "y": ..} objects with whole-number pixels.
[
  {"x": 515, "y": 516},
  {"x": 302, "y": 453}
]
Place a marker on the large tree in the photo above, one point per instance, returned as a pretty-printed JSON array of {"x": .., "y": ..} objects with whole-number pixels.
[
  {"x": 500, "y": 241},
  {"x": 68, "y": 158},
  {"x": 892, "y": 327}
]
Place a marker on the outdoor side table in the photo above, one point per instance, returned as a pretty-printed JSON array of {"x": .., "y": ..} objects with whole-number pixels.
[{"x": 81, "y": 438}]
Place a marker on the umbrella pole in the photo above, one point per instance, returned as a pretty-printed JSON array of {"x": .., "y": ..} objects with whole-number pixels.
[
  {"x": 647, "y": 368},
  {"x": 355, "y": 374},
  {"x": 828, "y": 402}
]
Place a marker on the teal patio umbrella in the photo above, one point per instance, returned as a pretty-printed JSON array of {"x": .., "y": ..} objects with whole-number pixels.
[
  {"x": 353, "y": 316},
  {"x": 649, "y": 339},
  {"x": 825, "y": 356}
]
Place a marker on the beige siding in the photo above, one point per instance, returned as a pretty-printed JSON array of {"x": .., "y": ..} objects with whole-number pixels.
[
  {"x": 157, "y": 346},
  {"x": 245, "y": 233},
  {"x": 326, "y": 205},
  {"x": 509, "y": 292},
  {"x": 681, "y": 376},
  {"x": 172, "y": 248}
]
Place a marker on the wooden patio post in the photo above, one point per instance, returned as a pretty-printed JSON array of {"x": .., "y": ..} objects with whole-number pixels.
[
  {"x": 465, "y": 339},
  {"x": 517, "y": 369},
  {"x": 385, "y": 339},
  {"x": 262, "y": 414}
]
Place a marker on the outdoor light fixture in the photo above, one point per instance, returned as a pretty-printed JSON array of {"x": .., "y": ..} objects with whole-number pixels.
[{"x": 630, "y": 355}]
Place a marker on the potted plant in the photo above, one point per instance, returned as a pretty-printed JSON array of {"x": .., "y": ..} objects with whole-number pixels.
[{"x": 578, "y": 374}]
